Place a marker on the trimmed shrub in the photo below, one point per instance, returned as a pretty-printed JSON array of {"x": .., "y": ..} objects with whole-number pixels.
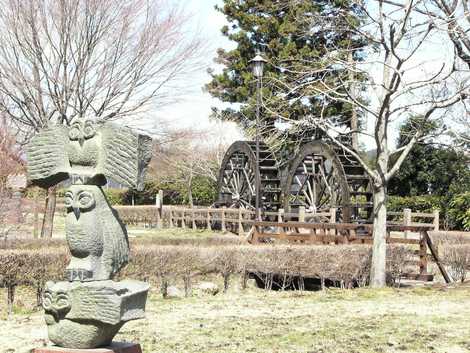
[
  {"x": 30, "y": 267},
  {"x": 279, "y": 266}
]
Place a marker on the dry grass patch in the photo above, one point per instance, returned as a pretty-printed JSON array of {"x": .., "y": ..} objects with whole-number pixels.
[{"x": 335, "y": 321}]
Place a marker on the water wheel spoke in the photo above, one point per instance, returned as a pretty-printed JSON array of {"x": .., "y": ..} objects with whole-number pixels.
[
  {"x": 301, "y": 186},
  {"x": 248, "y": 180},
  {"x": 237, "y": 177}
]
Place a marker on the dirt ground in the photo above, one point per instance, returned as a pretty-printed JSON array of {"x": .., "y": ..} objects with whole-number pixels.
[{"x": 423, "y": 319}]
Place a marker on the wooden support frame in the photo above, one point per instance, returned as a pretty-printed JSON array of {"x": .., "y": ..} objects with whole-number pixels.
[{"x": 347, "y": 233}]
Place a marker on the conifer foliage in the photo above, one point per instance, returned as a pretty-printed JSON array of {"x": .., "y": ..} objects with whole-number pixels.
[{"x": 296, "y": 37}]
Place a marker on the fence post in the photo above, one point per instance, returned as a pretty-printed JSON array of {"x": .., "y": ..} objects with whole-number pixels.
[
  {"x": 280, "y": 215},
  {"x": 159, "y": 206},
  {"x": 170, "y": 223},
  {"x": 332, "y": 215},
  {"x": 302, "y": 214},
  {"x": 183, "y": 220},
  {"x": 423, "y": 257},
  {"x": 407, "y": 221},
  {"x": 240, "y": 225},
  {"x": 193, "y": 219},
  {"x": 436, "y": 220},
  {"x": 209, "y": 220},
  {"x": 333, "y": 220},
  {"x": 222, "y": 217}
]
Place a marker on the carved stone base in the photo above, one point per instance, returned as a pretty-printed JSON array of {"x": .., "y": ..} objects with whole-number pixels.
[
  {"x": 88, "y": 315},
  {"x": 115, "y": 347}
]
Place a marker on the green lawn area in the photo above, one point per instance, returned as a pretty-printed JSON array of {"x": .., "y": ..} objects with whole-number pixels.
[{"x": 424, "y": 319}]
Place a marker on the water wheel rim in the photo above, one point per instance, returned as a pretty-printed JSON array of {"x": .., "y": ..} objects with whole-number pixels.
[{"x": 317, "y": 181}]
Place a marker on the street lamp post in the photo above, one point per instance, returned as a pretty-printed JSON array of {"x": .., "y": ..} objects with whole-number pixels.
[{"x": 258, "y": 67}]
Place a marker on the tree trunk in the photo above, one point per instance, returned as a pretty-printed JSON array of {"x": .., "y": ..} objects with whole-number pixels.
[
  {"x": 187, "y": 285},
  {"x": 48, "y": 220},
  {"x": 10, "y": 297},
  {"x": 164, "y": 286},
  {"x": 379, "y": 233},
  {"x": 244, "y": 279},
  {"x": 39, "y": 290},
  {"x": 226, "y": 276},
  {"x": 190, "y": 190},
  {"x": 36, "y": 213}
]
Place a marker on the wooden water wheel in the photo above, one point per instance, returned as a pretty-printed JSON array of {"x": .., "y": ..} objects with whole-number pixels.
[
  {"x": 236, "y": 182},
  {"x": 319, "y": 177}
]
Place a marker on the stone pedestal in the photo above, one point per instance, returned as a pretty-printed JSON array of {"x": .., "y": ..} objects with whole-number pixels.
[{"x": 115, "y": 347}]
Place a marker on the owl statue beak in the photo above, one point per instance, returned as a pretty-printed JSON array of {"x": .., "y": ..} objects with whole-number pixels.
[
  {"x": 76, "y": 212},
  {"x": 81, "y": 140}
]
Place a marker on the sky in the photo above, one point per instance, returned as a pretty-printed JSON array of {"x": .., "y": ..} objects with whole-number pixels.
[{"x": 193, "y": 110}]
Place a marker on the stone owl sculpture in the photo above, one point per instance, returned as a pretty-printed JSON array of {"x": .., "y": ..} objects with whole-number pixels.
[
  {"x": 90, "y": 151},
  {"x": 96, "y": 237},
  {"x": 84, "y": 315}
]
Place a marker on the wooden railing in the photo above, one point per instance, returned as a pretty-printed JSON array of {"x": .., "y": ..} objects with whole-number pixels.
[
  {"x": 347, "y": 233},
  {"x": 239, "y": 219},
  {"x": 407, "y": 218},
  {"x": 180, "y": 216}
]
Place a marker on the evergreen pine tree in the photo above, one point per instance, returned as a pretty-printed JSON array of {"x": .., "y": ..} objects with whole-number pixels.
[{"x": 296, "y": 37}]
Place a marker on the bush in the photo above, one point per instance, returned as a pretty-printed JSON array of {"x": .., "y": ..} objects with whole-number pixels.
[
  {"x": 454, "y": 210},
  {"x": 426, "y": 203},
  {"x": 30, "y": 267},
  {"x": 459, "y": 212},
  {"x": 204, "y": 192},
  {"x": 279, "y": 266}
]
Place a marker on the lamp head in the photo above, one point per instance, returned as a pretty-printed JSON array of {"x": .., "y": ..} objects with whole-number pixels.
[{"x": 258, "y": 65}]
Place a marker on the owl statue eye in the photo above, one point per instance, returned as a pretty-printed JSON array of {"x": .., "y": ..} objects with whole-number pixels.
[
  {"x": 47, "y": 301},
  {"x": 68, "y": 201},
  {"x": 62, "y": 302},
  {"x": 75, "y": 131},
  {"x": 89, "y": 129},
  {"x": 86, "y": 200}
]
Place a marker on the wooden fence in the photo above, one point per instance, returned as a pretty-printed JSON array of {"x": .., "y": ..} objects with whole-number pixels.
[
  {"x": 224, "y": 218},
  {"x": 228, "y": 218},
  {"x": 238, "y": 220},
  {"x": 408, "y": 218},
  {"x": 347, "y": 233}
]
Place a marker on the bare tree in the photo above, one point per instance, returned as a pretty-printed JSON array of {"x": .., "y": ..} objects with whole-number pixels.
[
  {"x": 102, "y": 59},
  {"x": 404, "y": 77},
  {"x": 453, "y": 18},
  {"x": 191, "y": 153},
  {"x": 10, "y": 154}
]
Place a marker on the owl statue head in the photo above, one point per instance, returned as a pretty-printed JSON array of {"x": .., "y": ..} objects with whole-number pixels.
[
  {"x": 80, "y": 198},
  {"x": 82, "y": 130},
  {"x": 84, "y": 315},
  {"x": 90, "y": 151}
]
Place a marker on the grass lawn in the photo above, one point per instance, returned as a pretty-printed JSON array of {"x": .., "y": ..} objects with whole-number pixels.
[{"x": 421, "y": 319}]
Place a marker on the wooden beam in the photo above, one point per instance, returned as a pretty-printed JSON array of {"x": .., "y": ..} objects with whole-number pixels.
[{"x": 436, "y": 258}]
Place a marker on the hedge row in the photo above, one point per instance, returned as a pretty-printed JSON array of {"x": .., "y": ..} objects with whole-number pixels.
[
  {"x": 216, "y": 240},
  {"x": 161, "y": 264}
]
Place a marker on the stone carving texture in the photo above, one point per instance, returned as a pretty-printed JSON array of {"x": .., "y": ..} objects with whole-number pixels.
[
  {"x": 91, "y": 151},
  {"x": 89, "y": 309},
  {"x": 96, "y": 237},
  {"x": 84, "y": 315}
]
